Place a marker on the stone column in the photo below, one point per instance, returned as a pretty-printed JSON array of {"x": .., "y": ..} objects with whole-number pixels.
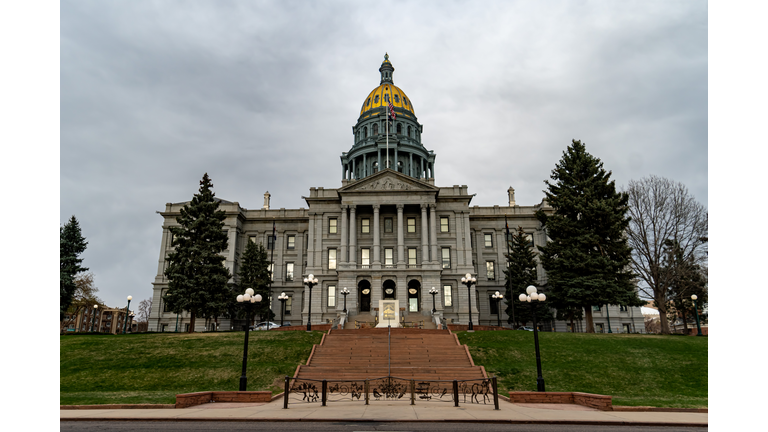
[
  {"x": 311, "y": 241},
  {"x": 424, "y": 235},
  {"x": 459, "y": 247},
  {"x": 352, "y": 235},
  {"x": 468, "y": 239},
  {"x": 400, "y": 240},
  {"x": 319, "y": 236},
  {"x": 344, "y": 236},
  {"x": 378, "y": 154},
  {"x": 376, "y": 238},
  {"x": 433, "y": 233}
]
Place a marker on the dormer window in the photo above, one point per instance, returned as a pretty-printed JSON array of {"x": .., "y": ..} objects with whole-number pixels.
[
  {"x": 376, "y": 99},
  {"x": 397, "y": 99}
]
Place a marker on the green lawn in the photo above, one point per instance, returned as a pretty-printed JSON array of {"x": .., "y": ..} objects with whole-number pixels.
[
  {"x": 637, "y": 370},
  {"x": 153, "y": 368}
]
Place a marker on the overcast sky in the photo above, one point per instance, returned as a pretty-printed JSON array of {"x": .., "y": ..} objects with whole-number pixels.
[{"x": 263, "y": 96}]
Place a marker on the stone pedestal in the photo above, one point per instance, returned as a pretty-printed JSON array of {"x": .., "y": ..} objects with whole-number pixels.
[{"x": 389, "y": 313}]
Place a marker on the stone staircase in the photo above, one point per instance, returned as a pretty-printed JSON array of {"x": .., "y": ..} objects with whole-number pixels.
[{"x": 415, "y": 354}]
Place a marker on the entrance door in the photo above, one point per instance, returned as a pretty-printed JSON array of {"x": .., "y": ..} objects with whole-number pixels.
[
  {"x": 389, "y": 288},
  {"x": 414, "y": 288},
  {"x": 364, "y": 291}
]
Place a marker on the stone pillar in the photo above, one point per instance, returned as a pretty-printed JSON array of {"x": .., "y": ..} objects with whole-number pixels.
[
  {"x": 433, "y": 233},
  {"x": 311, "y": 241},
  {"x": 459, "y": 247},
  {"x": 410, "y": 164},
  {"x": 344, "y": 236},
  {"x": 354, "y": 168},
  {"x": 468, "y": 239},
  {"x": 424, "y": 235},
  {"x": 319, "y": 236},
  {"x": 400, "y": 240},
  {"x": 352, "y": 235},
  {"x": 421, "y": 159},
  {"x": 396, "y": 157},
  {"x": 376, "y": 238},
  {"x": 365, "y": 168},
  {"x": 378, "y": 164}
]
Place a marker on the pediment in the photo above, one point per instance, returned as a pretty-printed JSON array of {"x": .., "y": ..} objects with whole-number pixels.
[{"x": 388, "y": 181}]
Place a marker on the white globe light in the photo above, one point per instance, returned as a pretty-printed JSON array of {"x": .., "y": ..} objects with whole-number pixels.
[
  {"x": 534, "y": 296},
  {"x": 522, "y": 297},
  {"x": 497, "y": 293},
  {"x": 258, "y": 297},
  {"x": 306, "y": 280},
  {"x": 694, "y": 297},
  {"x": 130, "y": 298},
  {"x": 542, "y": 297},
  {"x": 246, "y": 297},
  {"x": 315, "y": 281},
  {"x": 528, "y": 299},
  {"x": 463, "y": 280},
  {"x": 282, "y": 295},
  {"x": 474, "y": 279},
  {"x": 249, "y": 291},
  {"x": 310, "y": 277},
  {"x": 531, "y": 289},
  {"x": 240, "y": 298},
  {"x": 468, "y": 276}
]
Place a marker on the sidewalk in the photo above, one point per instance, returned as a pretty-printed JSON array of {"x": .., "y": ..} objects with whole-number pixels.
[{"x": 395, "y": 411}]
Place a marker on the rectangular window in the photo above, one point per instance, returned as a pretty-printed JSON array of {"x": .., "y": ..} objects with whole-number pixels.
[
  {"x": 488, "y": 240},
  {"x": 332, "y": 296},
  {"x": 288, "y": 305},
  {"x": 623, "y": 308},
  {"x": 331, "y": 259},
  {"x": 365, "y": 226},
  {"x": 366, "y": 257},
  {"x": 494, "y": 305},
  {"x": 387, "y": 225},
  {"x": 446, "y": 258},
  {"x": 332, "y": 225},
  {"x": 447, "y": 297},
  {"x": 389, "y": 254},
  {"x": 411, "y": 256},
  {"x": 411, "y": 225},
  {"x": 270, "y": 242},
  {"x": 596, "y": 308},
  {"x": 288, "y": 271},
  {"x": 444, "y": 224},
  {"x": 291, "y": 242},
  {"x": 490, "y": 272}
]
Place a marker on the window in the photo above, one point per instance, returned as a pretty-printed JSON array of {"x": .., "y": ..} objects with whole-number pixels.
[
  {"x": 443, "y": 223},
  {"x": 623, "y": 308},
  {"x": 332, "y": 296},
  {"x": 529, "y": 237},
  {"x": 446, "y": 258},
  {"x": 494, "y": 304},
  {"x": 253, "y": 239},
  {"x": 447, "y": 298},
  {"x": 164, "y": 328},
  {"x": 366, "y": 257},
  {"x": 365, "y": 226},
  {"x": 411, "y": 225},
  {"x": 627, "y": 328},
  {"x": 291, "y": 242},
  {"x": 270, "y": 268},
  {"x": 409, "y": 132},
  {"x": 376, "y": 99},
  {"x": 488, "y": 240},
  {"x": 387, "y": 225},
  {"x": 270, "y": 242},
  {"x": 489, "y": 270},
  {"x": 332, "y": 225},
  {"x": 397, "y": 99},
  {"x": 596, "y": 308},
  {"x": 288, "y": 271},
  {"x": 411, "y": 256},
  {"x": 331, "y": 259},
  {"x": 399, "y": 128},
  {"x": 375, "y": 128},
  {"x": 389, "y": 256},
  {"x": 288, "y": 305},
  {"x": 599, "y": 328}
]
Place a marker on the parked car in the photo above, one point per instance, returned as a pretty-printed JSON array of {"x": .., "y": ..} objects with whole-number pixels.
[
  {"x": 263, "y": 326},
  {"x": 525, "y": 328}
]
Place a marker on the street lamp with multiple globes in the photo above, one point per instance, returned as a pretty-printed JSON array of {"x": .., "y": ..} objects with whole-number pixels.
[
  {"x": 433, "y": 291},
  {"x": 310, "y": 281},
  {"x": 93, "y": 316},
  {"x": 249, "y": 299},
  {"x": 530, "y": 298},
  {"x": 345, "y": 293},
  {"x": 125, "y": 318},
  {"x": 130, "y": 316},
  {"x": 498, "y": 296},
  {"x": 696, "y": 308},
  {"x": 283, "y": 298},
  {"x": 468, "y": 280}
]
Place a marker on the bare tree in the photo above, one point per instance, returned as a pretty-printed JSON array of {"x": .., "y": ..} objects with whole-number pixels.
[
  {"x": 145, "y": 306},
  {"x": 83, "y": 297},
  {"x": 662, "y": 210}
]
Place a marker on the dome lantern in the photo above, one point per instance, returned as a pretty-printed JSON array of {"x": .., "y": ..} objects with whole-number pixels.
[{"x": 386, "y": 70}]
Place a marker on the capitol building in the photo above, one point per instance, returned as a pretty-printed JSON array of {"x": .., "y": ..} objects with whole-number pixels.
[{"x": 387, "y": 232}]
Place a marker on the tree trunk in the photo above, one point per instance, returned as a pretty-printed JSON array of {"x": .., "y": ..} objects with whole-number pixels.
[
  {"x": 590, "y": 322},
  {"x": 662, "y": 315},
  {"x": 573, "y": 325},
  {"x": 685, "y": 321},
  {"x": 191, "y": 322}
]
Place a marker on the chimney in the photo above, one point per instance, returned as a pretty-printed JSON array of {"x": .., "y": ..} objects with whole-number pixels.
[{"x": 266, "y": 200}]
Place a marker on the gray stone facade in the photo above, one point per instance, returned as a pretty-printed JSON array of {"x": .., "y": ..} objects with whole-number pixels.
[{"x": 385, "y": 233}]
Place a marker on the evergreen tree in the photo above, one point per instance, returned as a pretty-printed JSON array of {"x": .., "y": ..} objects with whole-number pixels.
[
  {"x": 197, "y": 277},
  {"x": 521, "y": 272},
  {"x": 71, "y": 245},
  {"x": 587, "y": 260},
  {"x": 254, "y": 273},
  {"x": 688, "y": 278}
]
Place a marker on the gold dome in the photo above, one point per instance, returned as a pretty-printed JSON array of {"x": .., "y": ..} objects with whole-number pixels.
[{"x": 384, "y": 93}]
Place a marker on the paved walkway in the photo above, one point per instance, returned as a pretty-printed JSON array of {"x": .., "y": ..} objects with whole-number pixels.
[{"x": 396, "y": 411}]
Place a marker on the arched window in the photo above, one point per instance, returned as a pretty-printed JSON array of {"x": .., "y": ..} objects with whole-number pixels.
[
  {"x": 386, "y": 97},
  {"x": 397, "y": 99},
  {"x": 399, "y": 128},
  {"x": 365, "y": 131},
  {"x": 376, "y": 99},
  {"x": 375, "y": 129},
  {"x": 409, "y": 132}
]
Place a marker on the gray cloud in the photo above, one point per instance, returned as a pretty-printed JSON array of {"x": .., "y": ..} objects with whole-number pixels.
[{"x": 263, "y": 95}]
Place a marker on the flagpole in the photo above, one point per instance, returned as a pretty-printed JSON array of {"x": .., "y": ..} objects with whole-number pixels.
[{"x": 386, "y": 112}]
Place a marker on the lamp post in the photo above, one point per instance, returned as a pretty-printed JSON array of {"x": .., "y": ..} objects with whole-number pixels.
[
  {"x": 498, "y": 296},
  {"x": 345, "y": 293},
  {"x": 310, "y": 281},
  {"x": 696, "y": 308},
  {"x": 130, "y": 316},
  {"x": 468, "y": 280},
  {"x": 249, "y": 299},
  {"x": 530, "y": 298},
  {"x": 93, "y": 316},
  {"x": 282, "y": 297},
  {"x": 433, "y": 291},
  {"x": 125, "y": 318},
  {"x": 608, "y": 314}
]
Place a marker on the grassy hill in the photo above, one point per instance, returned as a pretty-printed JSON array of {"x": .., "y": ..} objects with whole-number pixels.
[
  {"x": 637, "y": 370},
  {"x": 665, "y": 371}
]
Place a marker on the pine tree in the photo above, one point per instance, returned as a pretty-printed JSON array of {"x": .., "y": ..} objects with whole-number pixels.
[
  {"x": 521, "y": 272},
  {"x": 197, "y": 277},
  {"x": 71, "y": 245},
  {"x": 688, "y": 278},
  {"x": 254, "y": 273},
  {"x": 587, "y": 260}
]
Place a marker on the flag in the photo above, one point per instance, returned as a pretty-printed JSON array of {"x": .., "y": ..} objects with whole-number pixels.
[{"x": 391, "y": 112}]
